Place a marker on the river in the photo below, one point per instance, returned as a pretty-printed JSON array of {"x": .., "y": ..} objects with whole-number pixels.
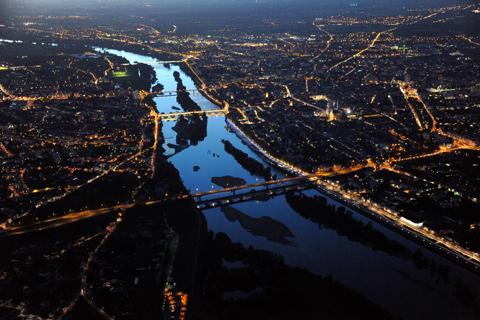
[{"x": 396, "y": 283}]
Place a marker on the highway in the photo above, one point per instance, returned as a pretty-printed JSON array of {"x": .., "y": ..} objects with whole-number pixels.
[{"x": 60, "y": 221}]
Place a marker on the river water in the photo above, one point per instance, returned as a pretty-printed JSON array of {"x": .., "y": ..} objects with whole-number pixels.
[{"x": 395, "y": 283}]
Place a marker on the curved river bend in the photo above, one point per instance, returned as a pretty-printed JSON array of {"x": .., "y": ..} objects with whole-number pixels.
[{"x": 398, "y": 284}]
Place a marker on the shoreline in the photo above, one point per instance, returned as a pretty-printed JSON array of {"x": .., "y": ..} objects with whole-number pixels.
[
  {"x": 384, "y": 219},
  {"x": 401, "y": 229}
]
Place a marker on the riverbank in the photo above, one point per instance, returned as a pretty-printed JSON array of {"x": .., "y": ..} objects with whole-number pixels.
[
  {"x": 409, "y": 234},
  {"x": 262, "y": 152},
  {"x": 402, "y": 229},
  {"x": 322, "y": 251}
]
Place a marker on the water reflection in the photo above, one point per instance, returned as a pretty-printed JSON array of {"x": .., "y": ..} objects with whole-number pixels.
[{"x": 396, "y": 273}]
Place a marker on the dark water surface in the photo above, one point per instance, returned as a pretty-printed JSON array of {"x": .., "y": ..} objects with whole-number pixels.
[{"x": 396, "y": 282}]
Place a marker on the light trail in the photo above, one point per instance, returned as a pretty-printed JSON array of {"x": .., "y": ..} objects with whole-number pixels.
[
  {"x": 21, "y": 181},
  {"x": 274, "y": 102},
  {"x": 411, "y": 93},
  {"x": 111, "y": 66},
  {"x": 305, "y": 103},
  {"x": 257, "y": 116},
  {"x": 288, "y": 92},
  {"x": 86, "y": 267},
  {"x": 75, "y": 217},
  {"x": 166, "y": 94},
  {"x": 85, "y": 239}
]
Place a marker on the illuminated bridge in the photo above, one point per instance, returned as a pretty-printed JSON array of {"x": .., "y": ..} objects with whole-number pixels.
[
  {"x": 203, "y": 200},
  {"x": 172, "y": 93},
  {"x": 175, "y": 115},
  {"x": 248, "y": 192}
]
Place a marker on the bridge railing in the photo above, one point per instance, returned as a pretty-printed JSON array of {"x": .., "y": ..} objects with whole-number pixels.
[{"x": 272, "y": 184}]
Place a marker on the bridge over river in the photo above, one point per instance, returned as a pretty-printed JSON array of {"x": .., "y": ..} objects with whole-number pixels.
[
  {"x": 247, "y": 192},
  {"x": 172, "y": 93},
  {"x": 172, "y": 116},
  {"x": 203, "y": 200}
]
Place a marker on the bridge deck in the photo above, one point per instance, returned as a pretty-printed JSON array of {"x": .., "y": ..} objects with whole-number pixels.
[
  {"x": 162, "y": 94},
  {"x": 292, "y": 180},
  {"x": 174, "y": 115},
  {"x": 268, "y": 188},
  {"x": 252, "y": 195}
]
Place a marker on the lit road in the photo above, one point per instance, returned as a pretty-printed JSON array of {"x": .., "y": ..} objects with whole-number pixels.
[
  {"x": 5, "y": 91},
  {"x": 361, "y": 52},
  {"x": 61, "y": 220},
  {"x": 289, "y": 95},
  {"x": 59, "y": 97},
  {"x": 327, "y": 44},
  {"x": 396, "y": 26},
  {"x": 156, "y": 133},
  {"x": 4, "y": 149},
  {"x": 88, "y": 182}
]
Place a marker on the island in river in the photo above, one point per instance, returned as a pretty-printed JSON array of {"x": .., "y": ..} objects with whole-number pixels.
[
  {"x": 265, "y": 226},
  {"x": 228, "y": 181}
]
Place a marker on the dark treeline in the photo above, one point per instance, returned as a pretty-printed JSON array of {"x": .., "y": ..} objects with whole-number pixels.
[
  {"x": 262, "y": 286},
  {"x": 250, "y": 164},
  {"x": 342, "y": 221},
  {"x": 190, "y": 129},
  {"x": 183, "y": 96}
]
